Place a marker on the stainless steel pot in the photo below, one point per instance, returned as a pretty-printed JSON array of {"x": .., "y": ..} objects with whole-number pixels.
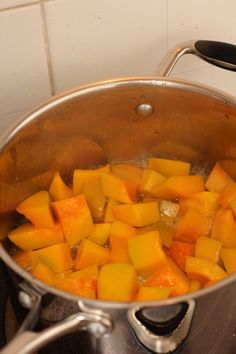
[{"x": 111, "y": 121}]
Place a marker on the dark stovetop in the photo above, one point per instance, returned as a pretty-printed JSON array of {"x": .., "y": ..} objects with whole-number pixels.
[{"x": 213, "y": 329}]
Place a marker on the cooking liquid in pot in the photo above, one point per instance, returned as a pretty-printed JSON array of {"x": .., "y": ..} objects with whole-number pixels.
[{"x": 182, "y": 238}]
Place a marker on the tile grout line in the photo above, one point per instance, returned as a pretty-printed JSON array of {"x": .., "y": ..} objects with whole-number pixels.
[
  {"x": 20, "y": 6},
  {"x": 47, "y": 48}
]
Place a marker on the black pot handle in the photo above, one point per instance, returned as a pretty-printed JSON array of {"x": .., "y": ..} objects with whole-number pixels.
[{"x": 217, "y": 53}]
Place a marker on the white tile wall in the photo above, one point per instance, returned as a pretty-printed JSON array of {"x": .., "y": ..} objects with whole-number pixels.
[{"x": 47, "y": 44}]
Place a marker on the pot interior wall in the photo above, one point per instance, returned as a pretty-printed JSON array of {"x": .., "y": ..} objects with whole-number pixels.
[{"x": 99, "y": 125}]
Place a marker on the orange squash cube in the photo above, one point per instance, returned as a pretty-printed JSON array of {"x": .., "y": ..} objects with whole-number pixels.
[
  {"x": 29, "y": 237},
  {"x": 232, "y": 205},
  {"x": 120, "y": 190},
  {"x": 84, "y": 287},
  {"x": 37, "y": 209},
  {"x": 22, "y": 258},
  {"x": 166, "y": 232},
  {"x": 58, "y": 190},
  {"x": 218, "y": 179},
  {"x": 205, "y": 203},
  {"x": 169, "y": 276},
  {"x": 228, "y": 256},
  {"x": 146, "y": 252},
  {"x": 121, "y": 229},
  {"x": 179, "y": 251},
  {"x": 117, "y": 282},
  {"x": 100, "y": 233},
  {"x": 194, "y": 285},
  {"x": 137, "y": 214},
  {"x": 169, "y": 167},
  {"x": 150, "y": 179},
  {"x": 108, "y": 215},
  {"x": 81, "y": 177},
  {"x": 44, "y": 273},
  {"x": 56, "y": 257},
  {"x": 224, "y": 228},
  {"x": 127, "y": 172},
  {"x": 75, "y": 218},
  {"x": 191, "y": 226},
  {"x": 89, "y": 272},
  {"x": 203, "y": 270},
  {"x": 119, "y": 248},
  {"x": 179, "y": 186},
  {"x": 227, "y": 194},
  {"x": 207, "y": 248},
  {"x": 147, "y": 293},
  {"x": 95, "y": 198},
  {"x": 90, "y": 253}
]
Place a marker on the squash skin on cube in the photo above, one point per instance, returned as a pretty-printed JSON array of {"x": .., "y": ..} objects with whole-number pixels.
[
  {"x": 58, "y": 190},
  {"x": 90, "y": 253},
  {"x": 100, "y": 234},
  {"x": 203, "y": 270},
  {"x": 149, "y": 180},
  {"x": 179, "y": 186},
  {"x": 29, "y": 237},
  {"x": 228, "y": 256},
  {"x": 146, "y": 252},
  {"x": 95, "y": 198},
  {"x": 224, "y": 228},
  {"x": 75, "y": 218},
  {"x": 81, "y": 177},
  {"x": 169, "y": 276},
  {"x": 37, "y": 209},
  {"x": 191, "y": 226},
  {"x": 117, "y": 189},
  {"x": 208, "y": 248},
  {"x": 117, "y": 282},
  {"x": 169, "y": 168},
  {"x": 218, "y": 179},
  {"x": 127, "y": 172},
  {"x": 137, "y": 214},
  {"x": 147, "y": 293},
  {"x": 56, "y": 257},
  {"x": 179, "y": 251}
]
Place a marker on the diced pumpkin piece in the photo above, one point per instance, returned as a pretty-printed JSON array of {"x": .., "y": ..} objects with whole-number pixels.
[
  {"x": 120, "y": 190},
  {"x": 90, "y": 253},
  {"x": 217, "y": 179},
  {"x": 168, "y": 210},
  {"x": 81, "y": 177},
  {"x": 166, "y": 232},
  {"x": 191, "y": 226},
  {"x": 95, "y": 198},
  {"x": 179, "y": 186},
  {"x": 44, "y": 273},
  {"x": 117, "y": 282},
  {"x": 205, "y": 203},
  {"x": 179, "y": 251},
  {"x": 108, "y": 215},
  {"x": 127, "y": 172},
  {"x": 203, "y": 270},
  {"x": 119, "y": 244},
  {"x": 194, "y": 285},
  {"x": 22, "y": 258},
  {"x": 147, "y": 293},
  {"x": 29, "y": 237},
  {"x": 207, "y": 248},
  {"x": 211, "y": 282},
  {"x": 89, "y": 272},
  {"x": 150, "y": 179},
  {"x": 58, "y": 190},
  {"x": 169, "y": 276},
  {"x": 57, "y": 257},
  {"x": 224, "y": 228},
  {"x": 37, "y": 209},
  {"x": 169, "y": 167},
  {"x": 227, "y": 194},
  {"x": 75, "y": 218},
  {"x": 100, "y": 233},
  {"x": 232, "y": 205},
  {"x": 137, "y": 214},
  {"x": 228, "y": 256},
  {"x": 122, "y": 229},
  {"x": 146, "y": 252},
  {"x": 85, "y": 287}
]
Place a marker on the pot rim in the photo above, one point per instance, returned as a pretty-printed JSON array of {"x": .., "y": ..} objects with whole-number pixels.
[{"x": 99, "y": 87}]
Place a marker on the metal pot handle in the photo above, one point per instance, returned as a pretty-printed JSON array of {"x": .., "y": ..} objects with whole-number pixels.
[
  {"x": 27, "y": 341},
  {"x": 220, "y": 54}
]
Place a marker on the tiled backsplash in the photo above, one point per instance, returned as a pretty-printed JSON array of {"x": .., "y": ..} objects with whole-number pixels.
[{"x": 48, "y": 46}]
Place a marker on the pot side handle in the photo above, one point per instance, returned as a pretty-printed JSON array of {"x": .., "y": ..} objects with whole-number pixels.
[{"x": 217, "y": 53}]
